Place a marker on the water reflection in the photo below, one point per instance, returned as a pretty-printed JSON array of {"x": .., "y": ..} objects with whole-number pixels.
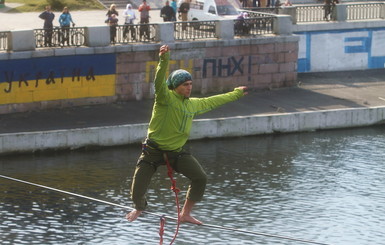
[{"x": 323, "y": 186}]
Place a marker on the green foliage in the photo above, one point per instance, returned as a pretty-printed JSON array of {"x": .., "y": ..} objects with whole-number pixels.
[{"x": 57, "y": 5}]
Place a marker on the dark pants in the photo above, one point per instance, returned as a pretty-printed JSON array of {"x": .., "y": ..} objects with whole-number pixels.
[
  {"x": 184, "y": 19},
  {"x": 182, "y": 162},
  {"x": 144, "y": 30},
  {"x": 48, "y": 31},
  {"x": 327, "y": 9},
  {"x": 65, "y": 36},
  {"x": 129, "y": 28},
  {"x": 113, "y": 33}
]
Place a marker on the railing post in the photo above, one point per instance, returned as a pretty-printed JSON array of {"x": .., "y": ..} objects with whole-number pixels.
[
  {"x": 290, "y": 10},
  {"x": 282, "y": 25},
  {"x": 165, "y": 32},
  {"x": 382, "y": 11},
  {"x": 225, "y": 29},
  {"x": 97, "y": 36},
  {"x": 23, "y": 40},
  {"x": 340, "y": 12}
]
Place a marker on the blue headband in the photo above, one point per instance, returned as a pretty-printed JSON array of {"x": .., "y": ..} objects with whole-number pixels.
[{"x": 178, "y": 77}]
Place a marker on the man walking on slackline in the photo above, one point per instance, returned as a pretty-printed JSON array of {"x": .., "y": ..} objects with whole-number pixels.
[{"x": 168, "y": 131}]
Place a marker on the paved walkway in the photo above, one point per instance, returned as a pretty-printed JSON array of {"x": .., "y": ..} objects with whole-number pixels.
[
  {"x": 315, "y": 91},
  {"x": 23, "y": 21},
  {"x": 29, "y": 21}
]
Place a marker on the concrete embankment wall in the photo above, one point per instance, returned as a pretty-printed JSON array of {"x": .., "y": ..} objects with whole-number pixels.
[
  {"x": 341, "y": 46},
  {"x": 57, "y": 78},
  {"x": 203, "y": 128}
]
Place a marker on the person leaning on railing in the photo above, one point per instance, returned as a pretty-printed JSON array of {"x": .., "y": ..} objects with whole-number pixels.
[
  {"x": 129, "y": 17},
  {"x": 48, "y": 16},
  {"x": 173, "y": 4},
  {"x": 113, "y": 22},
  {"x": 183, "y": 10},
  {"x": 288, "y": 3},
  {"x": 144, "y": 10},
  {"x": 112, "y": 10},
  {"x": 332, "y": 12},
  {"x": 167, "y": 12},
  {"x": 65, "y": 21},
  {"x": 144, "y": 30},
  {"x": 327, "y": 9}
]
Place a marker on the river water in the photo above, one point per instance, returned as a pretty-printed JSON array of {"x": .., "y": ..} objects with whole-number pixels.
[{"x": 326, "y": 187}]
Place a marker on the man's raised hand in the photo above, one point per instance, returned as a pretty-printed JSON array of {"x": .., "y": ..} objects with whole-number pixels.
[{"x": 163, "y": 49}]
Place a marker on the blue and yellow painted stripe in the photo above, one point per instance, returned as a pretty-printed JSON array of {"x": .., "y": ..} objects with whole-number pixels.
[{"x": 57, "y": 78}]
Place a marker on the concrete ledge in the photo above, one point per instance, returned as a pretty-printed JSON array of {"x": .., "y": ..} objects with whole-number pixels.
[
  {"x": 22, "y": 40},
  {"x": 165, "y": 32},
  {"x": 283, "y": 25},
  {"x": 203, "y": 128},
  {"x": 330, "y": 26},
  {"x": 97, "y": 36},
  {"x": 145, "y": 47},
  {"x": 225, "y": 29}
]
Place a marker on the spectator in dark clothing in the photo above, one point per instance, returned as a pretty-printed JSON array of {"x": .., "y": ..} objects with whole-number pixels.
[
  {"x": 327, "y": 9},
  {"x": 244, "y": 3},
  {"x": 167, "y": 12},
  {"x": 113, "y": 22},
  {"x": 48, "y": 17},
  {"x": 183, "y": 9},
  {"x": 242, "y": 26},
  {"x": 112, "y": 10},
  {"x": 333, "y": 14}
]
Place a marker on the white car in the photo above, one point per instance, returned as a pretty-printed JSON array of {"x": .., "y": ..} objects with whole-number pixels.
[{"x": 203, "y": 10}]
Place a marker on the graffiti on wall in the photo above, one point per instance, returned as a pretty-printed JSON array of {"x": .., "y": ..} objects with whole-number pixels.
[
  {"x": 211, "y": 67},
  {"x": 56, "y": 78},
  {"x": 222, "y": 67},
  {"x": 341, "y": 50}
]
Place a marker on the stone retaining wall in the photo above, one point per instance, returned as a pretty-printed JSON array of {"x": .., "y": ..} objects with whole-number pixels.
[
  {"x": 216, "y": 66},
  {"x": 56, "y": 78},
  {"x": 203, "y": 128}
]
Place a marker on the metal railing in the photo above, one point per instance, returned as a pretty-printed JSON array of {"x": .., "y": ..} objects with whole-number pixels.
[
  {"x": 254, "y": 26},
  {"x": 355, "y": 11},
  {"x": 364, "y": 11},
  {"x": 260, "y": 22},
  {"x": 60, "y": 37},
  {"x": 192, "y": 30},
  {"x": 135, "y": 33},
  {"x": 4, "y": 40},
  {"x": 310, "y": 13},
  {"x": 268, "y": 10}
]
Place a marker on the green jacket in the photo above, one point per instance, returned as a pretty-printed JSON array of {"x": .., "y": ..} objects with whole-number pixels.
[{"x": 172, "y": 114}]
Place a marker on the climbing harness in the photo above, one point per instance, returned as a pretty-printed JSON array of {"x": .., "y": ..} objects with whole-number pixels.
[{"x": 168, "y": 217}]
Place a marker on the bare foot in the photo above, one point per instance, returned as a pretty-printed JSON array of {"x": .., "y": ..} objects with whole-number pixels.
[
  {"x": 189, "y": 219},
  {"x": 133, "y": 215}
]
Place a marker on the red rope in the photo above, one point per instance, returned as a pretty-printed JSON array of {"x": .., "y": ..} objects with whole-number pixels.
[
  {"x": 176, "y": 191},
  {"x": 161, "y": 229}
]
